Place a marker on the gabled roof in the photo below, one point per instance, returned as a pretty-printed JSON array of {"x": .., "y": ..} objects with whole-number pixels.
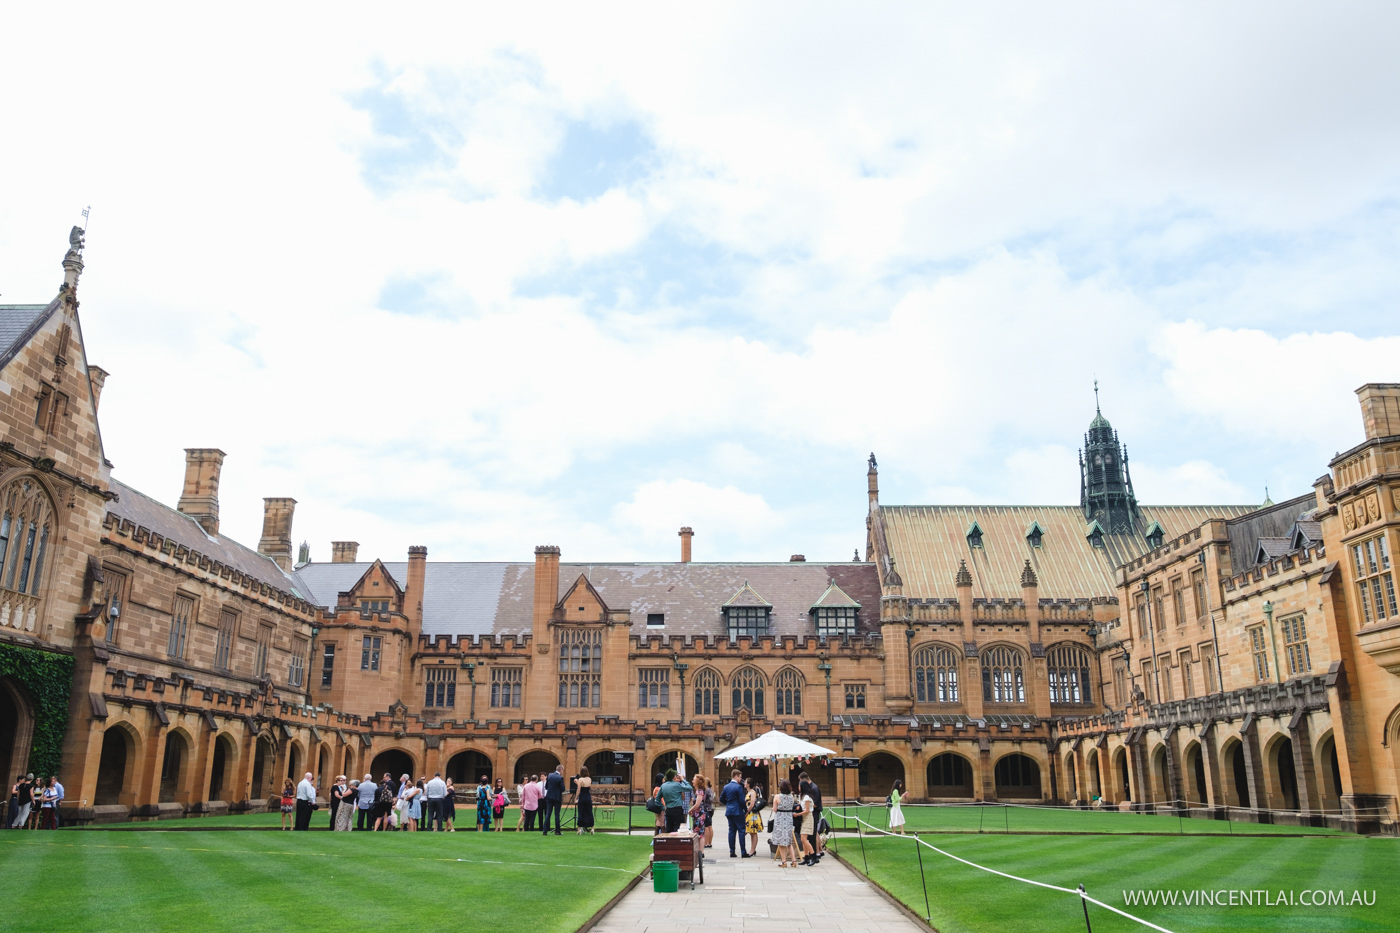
[
  {"x": 358, "y": 584},
  {"x": 1032, "y": 528},
  {"x": 1269, "y": 548},
  {"x": 1154, "y": 528},
  {"x": 1094, "y": 528},
  {"x": 746, "y": 596},
  {"x": 19, "y": 323},
  {"x": 834, "y": 598},
  {"x": 583, "y": 582},
  {"x": 1306, "y": 533}
]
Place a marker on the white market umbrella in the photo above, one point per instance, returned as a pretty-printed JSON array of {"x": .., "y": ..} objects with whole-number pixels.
[{"x": 775, "y": 744}]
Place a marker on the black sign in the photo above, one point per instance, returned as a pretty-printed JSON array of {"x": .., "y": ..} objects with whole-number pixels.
[
  {"x": 845, "y": 762},
  {"x": 622, "y": 758}
]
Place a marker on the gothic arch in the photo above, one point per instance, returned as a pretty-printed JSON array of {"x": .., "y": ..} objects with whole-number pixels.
[
  {"x": 16, "y": 730},
  {"x": 116, "y": 768},
  {"x": 467, "y": 765},
  {"x": 950, "y": 774},
  {"x": 223, "y": 768},
  {"x": 31, "y": 529},
  {"x": 1236, "y": 778},
  {"x": 936, "y": 673},
  {"x": 878, "y": 772},
  {"x": 787, "y": 691},
  {"x": 1193, "y": 774},
  {"x": 1068, "y": 671},
  {"x": 1282, "y": 778},
  {"x": 706, "y": 684},
  {"x": 396, "y": 761},
  {"x": 1003, "y": 674},
  {"x": 1017, "y": 775},
  {"x": 176, "y": 766},
  {"x": 537, "y": 761},
  {"x": 746, "y": 688}
]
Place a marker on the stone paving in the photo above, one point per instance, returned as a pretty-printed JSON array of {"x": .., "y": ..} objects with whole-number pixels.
[{"x": 755, "y": 894}]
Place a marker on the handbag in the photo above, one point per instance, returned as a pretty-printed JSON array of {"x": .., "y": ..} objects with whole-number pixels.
[
  {"x": 823, "y": 827},
  {"x": 655, "y": 805},
  {"x": 770, "y": 827}
]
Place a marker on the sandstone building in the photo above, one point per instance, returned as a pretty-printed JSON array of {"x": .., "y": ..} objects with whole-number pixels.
[{"x": 1238, "y": 660}]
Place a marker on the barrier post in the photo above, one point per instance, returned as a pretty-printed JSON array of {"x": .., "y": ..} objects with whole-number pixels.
[
  {"x": 919, "y": 848},
  {"x": 1006, "y": 814},
  {"x": 861, "y": 836},
  {"x": 1180, "y": 825},
  {"x": 1085, "y": 905},
  {"x": 981, "y": 817}
]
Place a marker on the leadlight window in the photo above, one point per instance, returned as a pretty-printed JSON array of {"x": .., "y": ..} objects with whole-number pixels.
[
  {"x": 1295, "y": 645},
  {"x": 25, "y": 521},
  {"x": 787, "y": 691},
  {"x": 1120, "y": 683},
  {"x": 370, "y": 650},
  {"x": 1164, "y": 665},
  {"x": 1149, "y": 681},
  {"x": 746, "y": 686},
  {"x": 440, "y": 685},
  {"x": 505, "y": 686},
  {"x": 1179, "y": 601},
  {"x": 264, "y": 645},
  {"x": 223, "y": 645},
  {"x": 1069, "y": 674},
  {"x": 1198, "y": 586},
  {"x": 1374, "y": 582},
  {"x": 654, "y": 688},
  {"x": 580, "y": 668},
  {"x": 707, "y": 693},
  {"x": 1142, "y": 617},
  {"x": 296, "y": 667},
  {"x": 1003, "y": 676},
  {"x": 747, "y": 621},
  {"x": 1258, "y": 649},
  {"x": 836, "y": 621},
  {"x": 1208, "y": 667},
  {"x": 180, "y": 615},
  {"x": 855, "y": 696},
  {"x": 1158, "y": 610},
  {"x": 1188, "y": 689},
  {"x": 368, "y": 606},
  {"x": 936, "y": 674},
  {"x": 327, "y": 664}
]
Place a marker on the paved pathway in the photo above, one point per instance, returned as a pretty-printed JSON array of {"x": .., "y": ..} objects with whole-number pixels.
[{"x": 755, "y": 894}]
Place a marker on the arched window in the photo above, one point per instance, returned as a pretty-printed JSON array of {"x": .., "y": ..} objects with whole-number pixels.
[
  {"x": 787, "y": 687},
  {"x": 1069, "y": 674},
  {"x": 707, "y": 693},
  {"x": 1003, "y": 676},
  {"x": 936, "y": 674},
  {"x": 580, "y": 667},
  {"x": 26, "y": 524},
  {"x": 747, "y": 685}
]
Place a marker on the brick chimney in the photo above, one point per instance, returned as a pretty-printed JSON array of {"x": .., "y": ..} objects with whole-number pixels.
[
  {"x": 97, "y": 378},
  {"x": 414, "y": 586},
  {"x": 344, "y": 552},
  {"x": 546, "y": 592},
  {"x": 798, "y": 559},
  {"x": 200, "y": 500},
  {"x": 276, "y": 540},
  {"x": 686, "y": 534},
  {"x": 1380, "y": 409}
]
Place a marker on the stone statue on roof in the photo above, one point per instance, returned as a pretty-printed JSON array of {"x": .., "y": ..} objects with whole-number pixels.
[{"x": 75, "y": 239}]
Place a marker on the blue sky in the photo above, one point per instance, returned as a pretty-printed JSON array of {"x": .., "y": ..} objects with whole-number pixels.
[{"x": 565, "y": 278}]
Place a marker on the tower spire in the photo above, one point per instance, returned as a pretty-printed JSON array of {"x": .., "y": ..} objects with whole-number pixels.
[{"x": 1096, "y": 398}]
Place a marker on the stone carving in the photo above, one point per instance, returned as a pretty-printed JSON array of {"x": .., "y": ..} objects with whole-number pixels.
[
  {"x": 1373, "y": 508},
  {"x": 75, "y": 239},
  {"x": 1395, "y": 498},
  {"x": 1348, "y": 518}
]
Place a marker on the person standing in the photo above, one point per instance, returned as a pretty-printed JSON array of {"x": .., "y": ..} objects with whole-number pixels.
[
  {"x": 753, "y": 818},
  {"x": 814, "y": 835},
  {"x": 345, "y": 815},
  {"x": 520, "y": 801},
  {"x": 384, "y": 801},
  {"x": 306, "y": 801},
  {"x": 583, "y": 801},
  {"x": 782, "y": 825},
  {"x": 697, "y": 805},
  {"x": 337, "y": 789},
  {"x": 436, "y": 792},
  {"x": 24, "y": 799},
  {"x": 412, "y": 797},
  {"x": 288, "y": 804},
  {"x": 732, "y": 796},
  {"x": 896, "y": 814},
  {"x": 58, "y": 801},
  {"x": 48, "y": 805},
  {"x": 499, "y": 801},
  {"x": 805, "y": 825},
  {"x": 449, "y": 806},
  {"x": 530, "y": 801},
  {"x": 553, "y": 800},
  {"x": 365, "y": 796},
  {"x": 483, "y": 804},
  {"x": 673, "y": 796}
]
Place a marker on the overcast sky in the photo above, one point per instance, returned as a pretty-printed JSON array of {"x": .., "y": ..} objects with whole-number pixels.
[{"x": 482, "y": 282}]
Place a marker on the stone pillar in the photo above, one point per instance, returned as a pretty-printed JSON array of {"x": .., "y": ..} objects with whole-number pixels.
[
  {"x": 1254, "y": 767},
  {"x": 276, "y": 540},
  {"x": 1210, "y": 762},
  {"x": 984, "y": 767},
  {"x": 1300, "y": 733}
]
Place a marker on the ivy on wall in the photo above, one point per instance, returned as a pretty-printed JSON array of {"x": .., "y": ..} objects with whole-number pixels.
[{"x": 48, "y": 679}]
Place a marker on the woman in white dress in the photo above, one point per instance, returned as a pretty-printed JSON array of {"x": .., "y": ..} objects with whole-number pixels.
[
  {"x": 783, "y": 806},
  {"x": 896, "y": 814}
]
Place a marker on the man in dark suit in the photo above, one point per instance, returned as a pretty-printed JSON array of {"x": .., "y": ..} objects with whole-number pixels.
[
  {"x": 815, "y": 793},
  {"x": 733, "y": 797},
  {"x": 553, "y": 800}
]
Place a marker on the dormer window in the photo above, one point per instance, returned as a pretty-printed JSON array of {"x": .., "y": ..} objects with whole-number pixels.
[
  {"x": 746, "y": 621},
  {"x": 974, "y": 535},
  {"x": 1035, "y": 535},
  {"x": 1094, "y": 534},
  {"x": 1155, "y": 534},
  {"x": 836, "y": 622}
]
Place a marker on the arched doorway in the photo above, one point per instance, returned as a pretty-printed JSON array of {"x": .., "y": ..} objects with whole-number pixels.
[
  {"x": 878, "y": 772},
  {"x": 172, "y": 768},
  {"x": 263, "y": 757},
  {"x": 1329, "y": 775},
  {"x": 1196, "y": 768},
  {"x": 950, "y": 775},
  {"x": 1285, "y": 774},
  {"x": 16, "y": 731},
  {"x": 537, "y": 761},
  {"x": 1125, "y": 784},
  {"x": 1071, "y": 778},
  {"x": 118, "y": 750},
  {"x": 466, "y": 768},
  {"x": 1241, "y": 775},
  {"x": 605, "y": 772},
  {"x": 324, "y": 776},
  {"x": 294, "y": 771},
  {"x": 1017, "y": 776},
  {"x": 1091, "y": 764},
  {"x": 1161, "y": 787},
  {"x": 348, "y": 768},
  {"x": 395, "y": 762},
  {"x": 220, "y": 770}
]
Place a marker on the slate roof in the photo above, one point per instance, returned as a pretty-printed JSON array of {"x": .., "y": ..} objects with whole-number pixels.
[
  {"x": 17, "y": 324},
  {"x": 1247, "y": 532},
  {"x": 145, "y": 512},
  {"x": 1269, "y": 548},
  {"x": 927, "y": 541},
  {"x": 492, "y": 599}
]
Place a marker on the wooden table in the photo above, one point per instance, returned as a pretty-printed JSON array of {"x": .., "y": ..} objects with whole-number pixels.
[{"x": 689, "y": 851}]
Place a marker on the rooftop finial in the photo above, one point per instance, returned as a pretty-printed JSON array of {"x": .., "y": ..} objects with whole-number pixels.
[{"x": 1096, "y": 398}]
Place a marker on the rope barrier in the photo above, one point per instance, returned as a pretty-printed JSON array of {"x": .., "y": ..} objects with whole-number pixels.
[
  {"x": 1077, "y": 892},
  {"x": 1157, "y": 811}
]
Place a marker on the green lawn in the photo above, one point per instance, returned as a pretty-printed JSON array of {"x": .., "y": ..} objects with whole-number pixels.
[
  {"x": 1014, "y": 819},
  {"x": 963, "y": 898},
  {"x": 238, "y": 881},
  {"x": 466, "y": 820}
]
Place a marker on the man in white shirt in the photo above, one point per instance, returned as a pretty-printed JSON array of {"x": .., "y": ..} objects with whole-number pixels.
[
  {"x": 437, "y": 793},
  {"x": 58, "y": 800},
  {"x": 306, "y": 799}
]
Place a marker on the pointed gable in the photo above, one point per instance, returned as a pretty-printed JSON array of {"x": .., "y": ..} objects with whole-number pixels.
[
  {"x": 746, "y": 597},
  {"x": 582, "y": 603},
  {"x": 376, "y": 585},
  {"x": 834, "y": 598}
]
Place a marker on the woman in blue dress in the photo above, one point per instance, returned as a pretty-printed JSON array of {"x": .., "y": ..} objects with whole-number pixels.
[{"x": 483, "y": 804}]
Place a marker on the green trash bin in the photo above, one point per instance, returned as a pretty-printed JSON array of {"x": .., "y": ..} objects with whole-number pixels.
[{"x": 665, "y": 877}]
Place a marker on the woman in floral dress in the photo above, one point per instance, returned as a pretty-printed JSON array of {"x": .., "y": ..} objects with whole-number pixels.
[{"x": 783, "y": 805}]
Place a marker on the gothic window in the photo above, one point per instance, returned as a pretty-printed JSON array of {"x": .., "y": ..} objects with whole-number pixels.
[
  {"x": 440, "y": 686},
  {"x": 654, "y": 688},
  {"x": 836, "y": 621},
  {"x": 26, "y": 521},
  {"x": 370, "y": 651},
  {"x": 1120, "y": 683},
  {"x": 223, "y": 646},
  {"x": 1259, "y": 652},
  {"x": 855, "y": 697},
  {"x": 52, "y": 406},
  {"x": 1295, "y": 645},
  {"x": 1096, "y": 538},
  {"x": 1183, "y": 660},
  {"x": 1208, "y": 667},
  {"x": 264, "y": 645},
  {"x": 936, "y": 674},
  {"x": 580, "y": 668},
  {"x": 180, "y": 615},
  {"x": 1164, "y": 665},
  {"x": 1198, "y": 588},
  {"x": 1374, "y": 582},
  {"x": 296, "y": 668},
  {"x": 1179, "y": 601},
  {"x": 787, "y": 692},
  {"x": 114, "y": 601},
  {"x": 746, "y": 686},
  {"x": 749, "y": 621},
  {"x": 505, "y": 686},
  {"x": 1158, "y": 610},
  {"x": 1069, "y": 674},
  {"x": 327, "y": 664},
  {"x": 707, "y": 693},
  {"x": 1003, "y": 676}
]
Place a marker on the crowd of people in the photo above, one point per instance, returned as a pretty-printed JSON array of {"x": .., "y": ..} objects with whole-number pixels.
[
  {"x": 34, "y": 803},
  {"x": 796, "y": 824}
]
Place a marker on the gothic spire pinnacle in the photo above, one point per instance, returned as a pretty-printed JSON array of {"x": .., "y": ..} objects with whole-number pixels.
[
  {"x": 1028, "y": 577},
  {"x": 964, "y": 577}
]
